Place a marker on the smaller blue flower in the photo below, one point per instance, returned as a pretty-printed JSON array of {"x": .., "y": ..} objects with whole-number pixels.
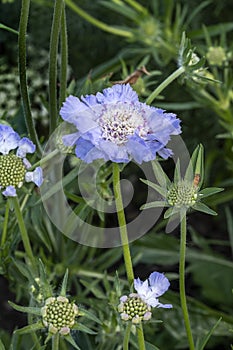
[
  {"x": 14, "y": 165},
  {"x": 152, "y": 288},
  {"x": 137, "y": 306},
  {"x": 114, "y": 125}
]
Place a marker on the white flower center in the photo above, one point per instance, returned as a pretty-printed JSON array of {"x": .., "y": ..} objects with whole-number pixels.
[{"x": 119, "y": 122}]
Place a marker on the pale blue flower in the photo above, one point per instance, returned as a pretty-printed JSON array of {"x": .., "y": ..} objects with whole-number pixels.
[
  {"x": 152, "y": 288},
  {"x": 114, "y": 125},
  {"x": 14, "y": 165}
]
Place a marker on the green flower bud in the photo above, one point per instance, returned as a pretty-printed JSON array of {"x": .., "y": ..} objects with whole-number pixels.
[
  {"x": 134, "y": 309},
  {"x": 182, "y": 194},
  {"x": 59, "y": 314},
  {"x": 216, "y": 56},
  {"x": 12, "y": 171}
]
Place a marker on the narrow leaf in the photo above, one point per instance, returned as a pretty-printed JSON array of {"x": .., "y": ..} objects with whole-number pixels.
[
  {"x": 70, "y": 340},
  {"x": 89, "y": 315},
  {"x": 2, "y": 26},
  {"x": 160, "y": 175},
  {"x": 203, "y": 208},
  {"x": 27, "y": 309},
  {"x": 82, "y": 328},
  {"x": 162, "y": 191},
  {"x": 155, "y": 204},
  {"x": 209, "y": 191},
  {"x": 64, "y": 284},
  {"x": 2, "y": 347},
  {"x": 208, "y": 335},
  {"x": 30, "y": 328}
]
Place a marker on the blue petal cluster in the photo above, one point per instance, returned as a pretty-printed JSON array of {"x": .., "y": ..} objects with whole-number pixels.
[
  {"x": 114, "y": 125},
  {"x": 10, "y": 140},
  {"x": 152, "y": 288}
]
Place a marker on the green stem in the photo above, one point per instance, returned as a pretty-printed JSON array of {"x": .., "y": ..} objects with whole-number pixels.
[
  {"x": 4, "y": 231},
  {"x": 96, "y": 22},
  {"x": 122, "y": 223},
  {"x": 55, "y": 342},
  {"x": 183, "y": 232},
  {"x": 58, "y": 6},
  {"x": 140, "y": 334},
  {"x": 64, "y": 57},
  {"x": 127, "y": 337},
  {"x": 22, "y": 73},
  {"x": 23, "y": 230},
  {"x": 164, "y": 84}
]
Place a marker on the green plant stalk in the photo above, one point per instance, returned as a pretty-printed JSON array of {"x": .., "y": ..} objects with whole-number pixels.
[
  {"x": 23, "y": 231},
  {"x": 55, "y": 342},
  {"x": 183, "y": 233},
  {"x": 4, "y": 230},
  {"x": 54, "y": 38},
  {"x": 96, "y": 22},
  {"x": 164, "y": 84},
  {"x": 22, "y": 73},
  {"x": 64, "y": 57},
  {"x": 122, "y": 223},
  {"x": 127, "y": 337},
  {"x": 140, "y": 334}
]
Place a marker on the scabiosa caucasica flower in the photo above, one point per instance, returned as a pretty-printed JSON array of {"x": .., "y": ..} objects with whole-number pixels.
[
  {"x": 59, "y": 315},
  {"x": 137, "y": 306},
  {"x": 115, "y": 126},
  {"x": 13, "y": 166}
]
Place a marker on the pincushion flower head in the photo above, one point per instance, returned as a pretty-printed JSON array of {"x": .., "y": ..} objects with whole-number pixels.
[
  {"x": 137, "y": 306},
  {"x": 114, "y": 125},
  {"x": 14, "y": 165}
]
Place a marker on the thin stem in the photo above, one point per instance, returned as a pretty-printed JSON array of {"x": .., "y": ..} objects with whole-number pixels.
[
  {"x": 127, "y": 337},
  {"x": 23, "y": 231},
  {"x": 53, "y": 63},
  {"x": 96, "y": 22},
  {"x": 22, "y": 73},
  {"x": 64, "y": 57},
  {"x": 4, "y": 231},
  {"x": 183, "y": 233},
  {"x": 55, "y": 342},
  {"x": 140, "y": 334},
  {"x": 164, "y": 84},
  {"x": 122, "y": 223}
]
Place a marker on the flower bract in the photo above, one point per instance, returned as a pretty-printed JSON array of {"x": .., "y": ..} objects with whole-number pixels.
[
  {"x": 14, "y": 165},
  {"x": 114, "y": 125}
]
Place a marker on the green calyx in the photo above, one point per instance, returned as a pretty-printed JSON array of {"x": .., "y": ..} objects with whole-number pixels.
[
  {"x": 59, "y": 315},
  {"x": 182, "y": 194},
  {"x": 12, "y": 171}
]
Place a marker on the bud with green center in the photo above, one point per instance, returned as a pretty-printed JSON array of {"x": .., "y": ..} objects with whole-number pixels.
[
  {"x": 134, "y": 309},
  {"x": 59, "y": 315},
  {"x": 182, "y": 194},
  {"x": 12, "y": 171},
  {"x": 216, "y": 56}
]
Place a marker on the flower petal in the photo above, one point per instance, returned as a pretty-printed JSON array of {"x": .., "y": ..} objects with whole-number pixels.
[
  {"x": 35, "y": 176},
  {"x": 10, "y": 191},
  {"x": 9, "y": 139},
  {"x": 158, "y": 283},
  {"x": 25, "y": 146}
]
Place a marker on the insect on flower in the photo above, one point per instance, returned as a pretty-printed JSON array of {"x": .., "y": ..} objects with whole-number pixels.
[{"x": 196, "y": 180}]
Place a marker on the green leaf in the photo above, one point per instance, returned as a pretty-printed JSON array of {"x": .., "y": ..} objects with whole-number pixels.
[
  {"x": 30, "y": 328},
  {"x": 2, "y": 347},
  {"x": 150, "y": 346},
  {"x": 70, "y": 340},
  {"x": 160, "y": 175},
  {"x": 64, "y": 284},
  {"x": 208, "y": 335},
  {"x": 81, "y": 327},
  {"x": 203, "y": 208},
  {"x": 27, "y": 309},
  {"x": 155, "y": 204},
  {"x": 162, "y": 191},
  {"x": 89, "y": 315},
  {"x": 209, "y": 191}
]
